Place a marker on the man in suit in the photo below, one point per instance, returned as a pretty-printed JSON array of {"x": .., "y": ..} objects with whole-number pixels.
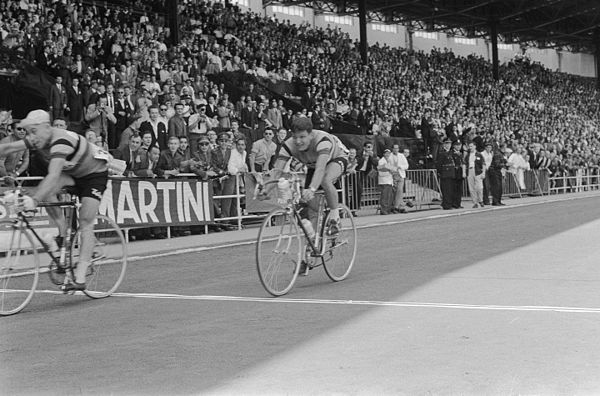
[
  {"x": 124, "y": 112},
  {"x": 58, "y": 99},
  {"x": 98, "y": 115},
  {"x": 365, "y": 163},
  {"x": 446, "y": 173},
  {"x": 158, "y": 128},
  {"x": 177, "y": 125},
  {"x": 147, "y": 165},
  {"x": 113, "y": 138},
  {"x": 75, "y": 101},
  {"x": 113, "y": 78},
  {"x": 211, "y": 108},
  {"x": 130, "y": 154},
  {"x": 475, "y": 171}
]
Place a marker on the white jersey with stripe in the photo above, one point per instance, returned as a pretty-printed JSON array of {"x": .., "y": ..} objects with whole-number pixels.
[
  {"x": 77, "y": 152},
  {"x": 321, "y": 143}
]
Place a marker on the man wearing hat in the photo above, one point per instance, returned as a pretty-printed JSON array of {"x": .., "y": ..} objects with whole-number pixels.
[
  {"x": 459, "y": 174},
  {"x": 73, "y": 162},
  {"x": 446, "y": 174}
]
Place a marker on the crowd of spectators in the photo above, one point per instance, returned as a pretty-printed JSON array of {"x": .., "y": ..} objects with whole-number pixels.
[{"x": 117, "y": 74}]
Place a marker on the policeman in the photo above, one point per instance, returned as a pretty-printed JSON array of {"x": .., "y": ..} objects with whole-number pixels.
[
  {"x": 445, "y": 169},
  {"x": 459, "y": 174}
]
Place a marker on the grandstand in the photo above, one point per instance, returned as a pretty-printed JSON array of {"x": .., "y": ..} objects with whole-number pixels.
[{"x": 190, "y": 52}]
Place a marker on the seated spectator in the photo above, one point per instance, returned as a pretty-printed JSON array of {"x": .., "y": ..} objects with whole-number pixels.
[
  {"x": 147, "y": 166},
  {"x": 15, "y": 164},
  {"x": 262, "y": 152},
  {"x": 169, "y": 163},
  {"x": 130, "y": 154}
]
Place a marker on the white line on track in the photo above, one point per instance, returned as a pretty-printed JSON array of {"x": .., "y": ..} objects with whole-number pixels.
[
  {"x": 371, "y": 225},
  {"x": 397, "y": 304}
]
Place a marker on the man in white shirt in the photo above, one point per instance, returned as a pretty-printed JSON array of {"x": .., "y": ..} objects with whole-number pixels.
[
  {"x": 399, "y": 164},
  {"x": 488, "y": 155}
]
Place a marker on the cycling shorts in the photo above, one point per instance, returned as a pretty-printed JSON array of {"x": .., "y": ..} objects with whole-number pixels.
[
  {"x": 91, "y": 186},
  {"x": 341, "y": 161}
]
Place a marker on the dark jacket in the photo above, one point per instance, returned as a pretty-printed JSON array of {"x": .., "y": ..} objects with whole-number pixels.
[
  {"x": 445, "y": 165},
  {"x": 162, "y": 140}
]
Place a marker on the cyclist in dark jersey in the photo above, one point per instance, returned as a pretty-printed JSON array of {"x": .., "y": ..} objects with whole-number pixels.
[
  {"x": 73, "y": 162},
  {"x": 326, "y": 158}
]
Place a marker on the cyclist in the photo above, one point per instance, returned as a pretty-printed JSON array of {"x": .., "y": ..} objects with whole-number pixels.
[
  {"x": 73, "y": 162},
  {"x": 326, "y": 159}
]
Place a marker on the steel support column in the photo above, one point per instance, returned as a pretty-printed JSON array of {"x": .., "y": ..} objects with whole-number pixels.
[
  {"x": 597, "y": 55},
  {"x": 494, "y": 36},
  {"x": 362, "y": 21},
  {"x": 173, "y": 18}
]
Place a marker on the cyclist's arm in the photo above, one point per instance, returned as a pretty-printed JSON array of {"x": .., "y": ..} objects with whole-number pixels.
[
  {"x": 13, "y": 147},
  {"x": 320, "y": 166},
  {"x": 51, "y": 181}
]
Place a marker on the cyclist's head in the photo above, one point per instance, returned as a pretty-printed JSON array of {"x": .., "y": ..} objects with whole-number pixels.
[
  {"x": 37, "y": 123},
  {"x": 302, "y": 131}
]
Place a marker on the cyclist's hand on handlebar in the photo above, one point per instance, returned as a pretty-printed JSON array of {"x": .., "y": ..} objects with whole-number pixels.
[
  {"x": 308, "y": 194},
  {"x": 26, "y": 203}
]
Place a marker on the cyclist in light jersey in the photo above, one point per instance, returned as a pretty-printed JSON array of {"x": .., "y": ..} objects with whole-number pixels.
[
  {"x": 326, "y": 158},
  {"x": 73, "y": 162}
]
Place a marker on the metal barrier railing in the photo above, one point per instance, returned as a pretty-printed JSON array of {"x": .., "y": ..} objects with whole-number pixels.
[
  {"x": 421, "y": 186},
  {"x": 536, "y": 182},
  {"x": 582, "y": 180}
]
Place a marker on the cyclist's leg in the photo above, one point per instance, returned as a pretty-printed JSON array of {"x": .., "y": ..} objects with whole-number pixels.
[
  {"x": 333, "y": 171},
  {"x": 56, "y": 215},
  {"x": 87, "y": 214}
]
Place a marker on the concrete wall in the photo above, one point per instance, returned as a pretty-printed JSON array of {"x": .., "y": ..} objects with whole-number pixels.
[{"x": 572, "y": 63}]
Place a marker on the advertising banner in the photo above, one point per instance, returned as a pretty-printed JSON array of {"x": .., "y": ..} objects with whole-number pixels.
[{"x": 158, "y": 202}]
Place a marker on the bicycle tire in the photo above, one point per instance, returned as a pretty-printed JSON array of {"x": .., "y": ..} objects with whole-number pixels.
[
  {"x": 19, "y": 268},
  {"x": 340, "y": 250},
  {"x": 281, "y": 237},
  {"x": 107, "y": 270}
]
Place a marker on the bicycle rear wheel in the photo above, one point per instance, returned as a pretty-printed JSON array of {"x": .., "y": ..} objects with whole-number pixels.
[
  {"x": 109, "y": 261},
  {"x": 340, "y": 249},
  {"x": 279, "y": 250},
  {"x": 19, "y": 268}
]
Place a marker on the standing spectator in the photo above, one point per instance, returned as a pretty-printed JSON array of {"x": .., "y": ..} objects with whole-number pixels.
[
  {"x": 488, "y": 155},
  {"x": 75, "y": 101},
  {"x": 223, "y": 115},
  {"x": 98, "y": 116},
  {"x": 459, "y": 174},
  {"x": 274, "y": 115},
  {"x": 446, "y": 172},
  {"x": 236, "y": 168},
  {"x": 262, "y": 152},
  {"x": 158, "y": 129},
  {"x": 58, "y": 99},
  {"x": 399, "y": 164},
  {"x": 475, "y": 170},
  {"x": 124, "y": 112},
  {"x": 367, "y": 162},
  {"x": 177, "y": 124},
  {"x": 517, "y": 165},
  {"x": 352, "y": 188},
  {"x": 385, "y": 180},
  {"x": 497, "y": 167}
]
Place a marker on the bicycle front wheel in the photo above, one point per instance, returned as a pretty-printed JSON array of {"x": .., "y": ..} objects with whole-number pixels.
[
  {"x": 340, "y": 249},
  {"x": 279, "y": 250},
  {"x": 19, "y": 268},
  {"x": 109, "y": 259}
]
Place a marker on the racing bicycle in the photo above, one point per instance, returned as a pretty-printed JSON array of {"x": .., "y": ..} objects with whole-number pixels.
[
  {"x": 23, "y": 244},
  {"x": 285, "y": 245}
]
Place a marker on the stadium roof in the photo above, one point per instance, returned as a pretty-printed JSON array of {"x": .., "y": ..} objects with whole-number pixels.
[{"x": 573, "y": 25}]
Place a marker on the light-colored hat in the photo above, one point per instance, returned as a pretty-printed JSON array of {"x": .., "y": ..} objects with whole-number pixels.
[{"x": 35, "y": 117}]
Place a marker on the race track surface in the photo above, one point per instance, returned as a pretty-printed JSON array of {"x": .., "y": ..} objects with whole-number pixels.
[{"x": 500, "y": 302}]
